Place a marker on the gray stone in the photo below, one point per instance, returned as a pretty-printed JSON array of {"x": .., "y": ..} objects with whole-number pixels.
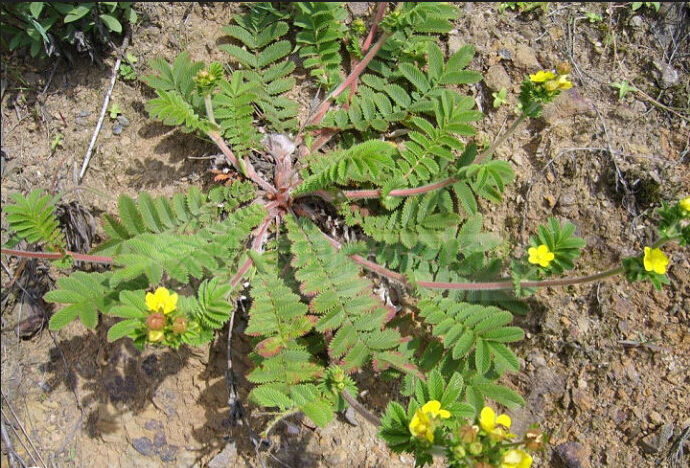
[
  {"x": 144, "y": 446},
  {"x": 358, "y": 8},
  {"x": 124, "y": 121},
  {"x": 226, "y": 457},
  {"x": 525, "y": 58},
  {"x": 636, "y": 22},
  {"x": 117, "y": 128},
  {"x": 168, "y": 453},
  {"x": 337, "y": 458},
  {"x": 669, "y": 76},
  {"x": 496, "y": 78},
  {"x": 657, "y": 440},
  {"x": 454, "y": 44},
  {"x": 572, "y": 455}
]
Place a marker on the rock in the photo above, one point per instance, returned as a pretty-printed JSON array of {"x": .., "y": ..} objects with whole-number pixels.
[
  {"x": 117, "y": 128},
  {"x": 350, "y": 416},
  {"x": 526, "y": 59},
  {"x": 358, "y": 8},
  {"x": 159, "y": 439},
  {"x": 187, "y": 460},
  {"x": 124, "y": 121},
  {"x": 144, "y": 446},
  {"x": 536, "y": 359},
  {"x": 566, "y": 105},
  {"x": 337, "y": 458},
  {"x": 669, "y": 75},
  {"x": 636, "y": 22},
  {"x": 168, "y": 453},
  {"x": 226, "y": 457},
  {"x": 656, "y": 441},
  {"x": 572, "y": 455},
  {"x": 496, "y": 78},
  {"x": 454, "y": 44}
]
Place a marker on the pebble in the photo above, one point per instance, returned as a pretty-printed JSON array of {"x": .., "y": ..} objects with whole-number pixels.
[
  {"x": 496, "y": 78},
  {"x": 337, "y": 458},
  {"x": 117, "y": 128},
  {"x": 225, "y": 458},
  {"x": 572, "y": 455},
  {"x": 144, "y": 446},
  {"x": 656, "y": 441},
  {"x": 168, "y": 453},
  {"x": 122, "y": 120},
  {"x": 454, "y": 44},
  {"x": 525, "y": 58},
  {"x": 358, "y": 8},
  {"x": 636, "y": 22}
]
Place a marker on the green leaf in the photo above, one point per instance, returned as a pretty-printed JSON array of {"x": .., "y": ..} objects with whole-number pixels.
[
  {"x": 111, "y": 22},
  {"x": 77, "y": 13},
  {"x": 36, "y": 8},
  {"x": 122, "y": 329}
]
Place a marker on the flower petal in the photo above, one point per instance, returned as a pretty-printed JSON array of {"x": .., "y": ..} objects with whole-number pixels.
[
  {"x": 487, "y": 419},
  {"x": 504, "y": 420},
  {"x": 444, "y": 414},
  {"x": 151, "y": 301},
  {"x": 432, "y": 407}
]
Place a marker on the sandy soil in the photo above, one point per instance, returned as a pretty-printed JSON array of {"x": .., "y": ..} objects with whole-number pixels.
[{"x": 605, "y": 366}]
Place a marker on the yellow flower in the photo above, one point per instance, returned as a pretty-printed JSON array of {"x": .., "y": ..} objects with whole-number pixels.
[
  {"x": 516, "y": 459},
  {"x": 161, "y": 301},
  {"x": 655, "y": 260},
  {"x": 564, "y": 83},
  {"x": 542, "y": 76},
  {"x": 685, "y": 204},
  {"x": 491, "y": 424},
  {"x": 421, "y": 426},
  {"x": 155, "y": 335},
  {"x": 424, "y": 420},
  {"x": 433, "y": 408},
  {"x": 540, "y": 255}
]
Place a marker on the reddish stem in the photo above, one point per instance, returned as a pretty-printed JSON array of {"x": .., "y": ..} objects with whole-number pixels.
[
  {"x": 367, "y": 43},
  {"x": 258, "y": 238},
  {"x": 244, "y": 167},
  {"x": 484, "y": 286},
  {"x": 374, "y": 27},
  {"x": 56, "y": 255},
  {"x": 354, "y": 74}
]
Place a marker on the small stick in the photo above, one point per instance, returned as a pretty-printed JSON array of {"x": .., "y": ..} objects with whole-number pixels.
[
  {"x": 357, "y": 406},
  {"x": 21, "y": 426},
  {"x": 12, "y": 455},
  {"x": 97, "y": 130}
]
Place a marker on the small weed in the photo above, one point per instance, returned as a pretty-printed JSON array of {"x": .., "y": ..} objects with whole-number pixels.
[{"x": 499, "y": 98}]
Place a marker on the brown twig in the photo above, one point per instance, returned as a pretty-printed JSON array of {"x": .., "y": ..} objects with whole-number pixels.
[
  {"x": 357, "y": 406},
  {"x": 106, "y": 100},
  {"x": 21, "y": 426},
  {"x": 12, "y": 455}
]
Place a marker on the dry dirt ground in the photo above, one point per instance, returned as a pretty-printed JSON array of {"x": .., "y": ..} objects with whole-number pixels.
[{"x": 605, "y": 366}]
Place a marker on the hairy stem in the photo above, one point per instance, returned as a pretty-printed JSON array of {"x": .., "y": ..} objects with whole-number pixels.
[
  {"x": 57, "y": 256},
  {"x": 357, "y": 406},
  {"x": 209, "y": 109},
  {"x": 499, "y": 141},
  {"x": 483, "y": 286}
]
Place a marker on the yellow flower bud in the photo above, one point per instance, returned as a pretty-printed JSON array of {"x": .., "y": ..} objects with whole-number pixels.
[{"x": 155, "y": 335}]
